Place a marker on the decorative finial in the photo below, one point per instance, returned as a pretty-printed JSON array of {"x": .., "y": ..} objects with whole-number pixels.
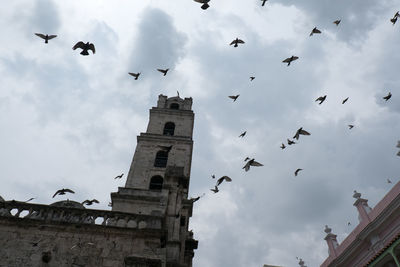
[
  {"x": 356, "y": 195},
  {"x": 327, "y": 229},
  {"x": 301, "y": 263}
]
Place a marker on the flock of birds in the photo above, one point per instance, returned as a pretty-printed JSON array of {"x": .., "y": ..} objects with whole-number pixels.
[{"x": 86, "y": 47}]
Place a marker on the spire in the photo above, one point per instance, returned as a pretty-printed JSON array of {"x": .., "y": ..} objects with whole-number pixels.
[
  {"x": 362, "y": 206},
  {"x": 331, "y": 241}
]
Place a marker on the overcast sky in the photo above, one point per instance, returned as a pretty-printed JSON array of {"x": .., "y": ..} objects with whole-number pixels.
[{"x": 71, "y": 121}]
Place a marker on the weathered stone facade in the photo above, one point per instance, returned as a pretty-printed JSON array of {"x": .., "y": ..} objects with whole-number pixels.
[{"x": 148, "y": 224}]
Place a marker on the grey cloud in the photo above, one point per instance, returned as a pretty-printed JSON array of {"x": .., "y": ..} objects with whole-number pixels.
[
  {"x": 44, "y": 18},
  {"x": 358, "y": 16},
  {"x": 158, "y": 44}
]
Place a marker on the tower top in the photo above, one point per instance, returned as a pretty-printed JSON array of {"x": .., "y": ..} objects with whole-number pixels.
[{"x": 174, "y": 102}]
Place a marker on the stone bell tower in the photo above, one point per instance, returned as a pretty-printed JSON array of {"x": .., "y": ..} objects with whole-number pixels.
[{"x": 158, "y": 180}]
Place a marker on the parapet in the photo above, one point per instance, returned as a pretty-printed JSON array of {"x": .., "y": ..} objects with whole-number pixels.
[{"x": 175, "y": 103}]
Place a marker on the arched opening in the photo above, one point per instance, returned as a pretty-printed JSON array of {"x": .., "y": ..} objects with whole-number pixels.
[
  {"x": 156, "y": 183},
  {"x": 169, "y": 128},
  {"x": 174, "y": 106},
  {"x": 161, "y": 159}
]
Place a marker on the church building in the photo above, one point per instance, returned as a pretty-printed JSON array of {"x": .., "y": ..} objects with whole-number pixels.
[{"x": 148, "y": 223}]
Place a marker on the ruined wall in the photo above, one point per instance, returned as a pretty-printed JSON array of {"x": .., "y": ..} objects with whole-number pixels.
[{"x": 44, "y": 242}]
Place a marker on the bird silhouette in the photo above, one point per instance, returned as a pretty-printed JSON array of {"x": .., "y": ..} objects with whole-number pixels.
[
  {"x": 223, "y": 178},
  {"x": 345, "y": 100},
  {"x": 297, "y": 172},
  {"x": 234, "y": 97},
  {"x": 236, "y": 42},
  {"x": 350, "y": 126},
  {"x": 283, "y": 146},
  {"x": 243, "y": 134},
  {"x": 300, "y": 132},
  {"x": 290, "y": 142},
  {"x": 290, "y": 59},
  {"x": 251, "y": 162},
  {"x": 388, "y": 96},
  {"x": 163, "y": 71},
  {"x": 388, "y": 181},
  {"x": 136, "y": 75},
  {"x": 215, "y": 190},
  {"x": 337, "y": 22},
  {"x": 63, "y": 191},
  {"x": 213, "y": 176},
  {"x": 119, "y": 176},
  {"x": 85, "y": 47},
  {"x": 194, "y": 199},
  {"x": 46, "y": 37},
  {"x": 263, "y": 2},
  {"x": 252, "y": 78},
  {"x": 204, "y": 3},
  {"x": 315, "y": 30},
  {"x": 90, "y": 202},
  {"x": 321, "y": 99},
  {"x": 348, "y": 223}
]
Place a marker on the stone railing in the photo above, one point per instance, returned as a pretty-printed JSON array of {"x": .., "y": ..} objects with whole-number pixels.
[{"x": 22, "y": 210}]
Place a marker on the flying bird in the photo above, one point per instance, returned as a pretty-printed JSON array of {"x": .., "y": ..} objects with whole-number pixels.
[
  {"x": 213, "y": 176},
  {"x": 46, "y": 37},
  {"x": 234, "y": 97},
  {"x": 251, "y": 162},
  {"x": 163, "y": 71},
  {"x": 387, "y": 97},
  {"x": 350, "y": 126},
  {"x": 337, "y": 22},
  {"x": 223, "y": 178},
  {"x": 119, "y": 176},
  {"x": 85, "y": 47},
  {"x": 252, "y": 78},
  {"x": 243, "y": 134},
  {"x": 136, "y": 75},
  {"x": 348, "y": 224},
  {"x": 166, "y": 148},
  {"x": 297, "y": 172},
  {"x": 194, "y": 199},
  {"x": 290, "y": 59},
  {"x": 90, "y": 202},
  {"x": 263, "y": 2},
  {"x": 63, "y": 191},
  {"x": 300, "y": 132},
  {"x": 394, "y": 19},
  {"x": 236, "y": 42},
  {"x": 315, "y": 30},
  {"x": 388, "y": 181},
  {"x": 283, "y": 146},
  {"x": 215, "y": 190},
  {"x": 321, "y": 99},
  {"x": 204, "y": 3},
  {"x": 290, "y": 142},
  {"x": 345, "y": 100}
]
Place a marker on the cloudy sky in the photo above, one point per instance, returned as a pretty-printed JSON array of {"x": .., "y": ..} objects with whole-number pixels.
[{"x": 72, "y": 121}]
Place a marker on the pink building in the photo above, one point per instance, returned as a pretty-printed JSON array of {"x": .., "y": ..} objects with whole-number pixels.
[{"x": 376, "y": 239}]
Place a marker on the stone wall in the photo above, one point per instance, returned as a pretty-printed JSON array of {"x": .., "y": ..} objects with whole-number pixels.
[{"x": 26, "y": 242}]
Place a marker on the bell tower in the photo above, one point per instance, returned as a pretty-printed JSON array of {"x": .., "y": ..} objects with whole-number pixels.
[{"x": 158, "y": 180}]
